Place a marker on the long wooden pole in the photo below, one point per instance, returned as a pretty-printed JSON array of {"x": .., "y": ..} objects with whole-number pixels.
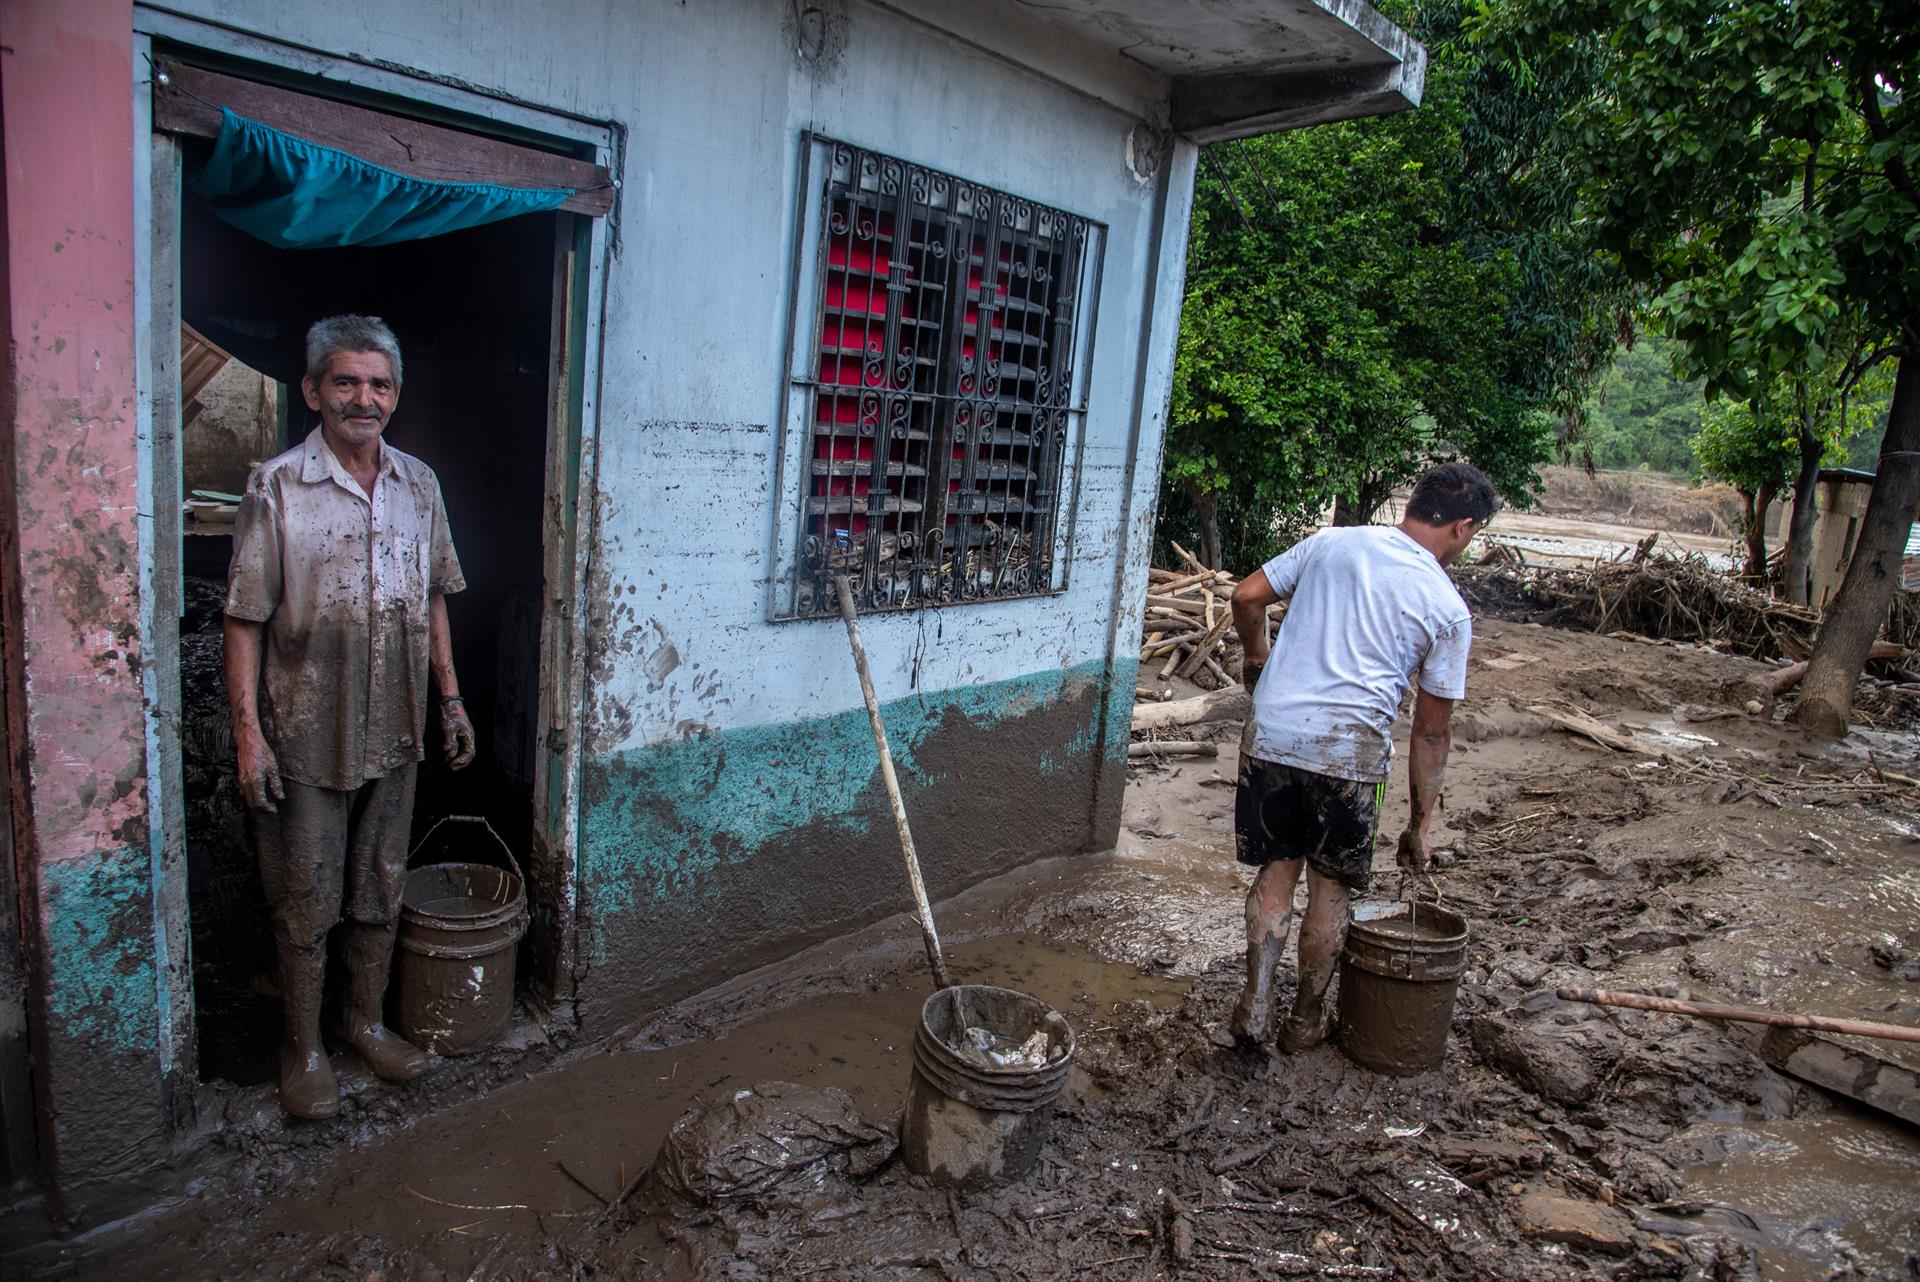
[
  {"x": 939, "y": 963},
  {"x": 1743, "y": 1014}
]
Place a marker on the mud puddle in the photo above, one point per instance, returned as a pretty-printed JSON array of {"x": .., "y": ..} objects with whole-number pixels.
[
  {"x": 530, "y": 1157},
  {"x": 1812, "y": 1194}
]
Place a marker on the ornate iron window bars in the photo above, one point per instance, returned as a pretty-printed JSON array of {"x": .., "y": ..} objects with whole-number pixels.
[{"x": 939, "y": 416}]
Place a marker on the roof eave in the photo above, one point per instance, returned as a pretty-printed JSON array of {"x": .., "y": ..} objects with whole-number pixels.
[
  {"x": 1216, "y": 108},
  {"x": 1212, "y": 108}
]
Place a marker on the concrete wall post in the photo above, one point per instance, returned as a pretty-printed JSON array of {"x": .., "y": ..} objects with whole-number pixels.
[{"x": 69, "y": 568}]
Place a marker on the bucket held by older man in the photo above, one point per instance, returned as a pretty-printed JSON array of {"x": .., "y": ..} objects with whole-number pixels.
[{"x": 460, "y": 929}]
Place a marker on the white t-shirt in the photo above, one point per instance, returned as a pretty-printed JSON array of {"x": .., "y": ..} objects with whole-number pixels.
[{"x": 1370, "y": 607}]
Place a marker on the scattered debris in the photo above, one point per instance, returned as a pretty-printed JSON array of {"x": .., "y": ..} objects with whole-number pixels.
[
  {"x": 1154, "y": 749},
  {"x": 989, "y": 1049},
  {"x": 769, "y": 1140},
  {"x": 1666, "y": 598},
  {"x": 1860, "y": 1073}
]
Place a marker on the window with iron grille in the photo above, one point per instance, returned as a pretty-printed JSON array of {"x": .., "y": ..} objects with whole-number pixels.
[{"x": 941, "y": 390}]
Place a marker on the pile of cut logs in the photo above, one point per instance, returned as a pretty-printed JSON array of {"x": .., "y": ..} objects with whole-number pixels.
[{"x": 1188, "y": 630}]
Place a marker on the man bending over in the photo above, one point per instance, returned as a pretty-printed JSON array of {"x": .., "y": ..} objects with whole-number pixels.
[{"x": 1371, "y": 608}]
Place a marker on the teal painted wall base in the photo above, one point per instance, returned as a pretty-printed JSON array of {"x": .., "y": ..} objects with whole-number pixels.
[
  {"x": 703, "y": 857},
  {"x": 103, "y": 1094}
]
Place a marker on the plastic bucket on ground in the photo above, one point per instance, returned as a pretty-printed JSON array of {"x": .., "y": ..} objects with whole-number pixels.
[
  {"x": 460, "y": 929},
  {"x": 970, "y": 1125},
  {"x": 1399, "y": 975}
]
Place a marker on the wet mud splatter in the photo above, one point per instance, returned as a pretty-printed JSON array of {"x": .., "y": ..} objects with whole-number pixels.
[{"x": 1553, "y": 1142}]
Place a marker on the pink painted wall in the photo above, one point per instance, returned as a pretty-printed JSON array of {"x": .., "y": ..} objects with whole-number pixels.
[
  {"x": 69, "y": 215},
  {"x": 68, "y": 483}
]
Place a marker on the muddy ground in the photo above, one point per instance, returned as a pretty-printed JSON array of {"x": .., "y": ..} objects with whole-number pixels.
[{"x": 1557, "y": 1141}]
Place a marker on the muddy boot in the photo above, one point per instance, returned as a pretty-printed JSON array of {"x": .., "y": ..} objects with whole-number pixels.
[
  {"x": 1253, "y": 1013},
  {"x": 1306, "y": 1027},
  {"x": 367, "y": 952},
  {"x": 307, "y": 1085}
]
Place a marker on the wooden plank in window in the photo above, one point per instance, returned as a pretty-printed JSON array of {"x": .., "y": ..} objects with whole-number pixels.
[{"x": 407, "y": 146}]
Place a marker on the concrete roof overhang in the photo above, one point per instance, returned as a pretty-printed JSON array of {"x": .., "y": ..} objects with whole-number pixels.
[{"x": 1218, "y": 68}]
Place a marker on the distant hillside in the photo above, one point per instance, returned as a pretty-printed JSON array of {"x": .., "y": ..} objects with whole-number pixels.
[
  {"x": 1641, "y": 415},
  {"x": 1650, "y": 500}
]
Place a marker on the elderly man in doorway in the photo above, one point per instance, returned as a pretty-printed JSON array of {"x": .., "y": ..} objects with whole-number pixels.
[
  {"x": 1371, "y": 608},
  {"x": 336, "y": 612}
]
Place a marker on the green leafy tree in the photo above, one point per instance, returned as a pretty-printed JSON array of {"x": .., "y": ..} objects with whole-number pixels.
[
  {"x": 1365, "y": 299},
  {"x": 1737, "y": 444},
  {"x": 1753, "y": 164}
]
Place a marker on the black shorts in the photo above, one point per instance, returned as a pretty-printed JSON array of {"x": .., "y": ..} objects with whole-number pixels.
[{"x": 1283, "y": 812}]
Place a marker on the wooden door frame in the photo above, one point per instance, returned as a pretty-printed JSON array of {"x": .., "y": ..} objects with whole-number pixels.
[{"x": 581, "y": 255}]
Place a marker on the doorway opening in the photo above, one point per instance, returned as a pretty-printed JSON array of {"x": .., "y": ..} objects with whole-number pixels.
[{"x": 474, "y": 314}]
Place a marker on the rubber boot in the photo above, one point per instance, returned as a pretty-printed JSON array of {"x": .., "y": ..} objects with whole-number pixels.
[
  {"x": 367, "y": 952},
  {"x": 307, "y": 1085},
  {"x": 1308, "y": 1025},
  {"x": 1253, "y": 1013},
  {"x": 1311, "y": 1019}
]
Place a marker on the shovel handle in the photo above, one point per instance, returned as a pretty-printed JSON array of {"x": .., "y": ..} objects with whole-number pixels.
[{"x": 939, "y": 963}]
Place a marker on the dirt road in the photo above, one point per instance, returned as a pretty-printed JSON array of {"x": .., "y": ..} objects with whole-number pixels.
[{"x": 1556, "y": 1142}]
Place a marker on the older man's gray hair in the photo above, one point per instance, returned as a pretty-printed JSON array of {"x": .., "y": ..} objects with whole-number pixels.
[{"x": 338, "y": 334}]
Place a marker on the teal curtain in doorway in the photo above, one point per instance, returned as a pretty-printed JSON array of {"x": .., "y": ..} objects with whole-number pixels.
[{"x": 299, "y": 195}]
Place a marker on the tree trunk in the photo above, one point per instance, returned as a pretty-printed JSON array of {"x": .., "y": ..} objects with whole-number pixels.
[
  {"x": 1858, "y": 612},
  {"x": 1797, "y": 573},
  {"x": 1206, "y": 510},
  {"x": 1359, "y": 509},
  {"x": 1756, "y": 532}
]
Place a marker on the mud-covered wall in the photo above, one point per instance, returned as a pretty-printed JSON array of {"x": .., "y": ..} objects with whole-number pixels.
[
  {"x": 97, "y": 982},
  {"x": 703, "y": 856},
  {"x": 729, "y": 810}
]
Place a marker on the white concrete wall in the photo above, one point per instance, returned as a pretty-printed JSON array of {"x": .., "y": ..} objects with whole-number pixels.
[{"x": 713, "y": 97}]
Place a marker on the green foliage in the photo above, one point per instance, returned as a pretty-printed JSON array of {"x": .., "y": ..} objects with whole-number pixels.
[
  {"x": 1875, "y": 402},
  {"x": 1751, "y": 163},
  {"x": 1740, "y": 447},
  {"x": 1755, "y": 444},
  {"x": 1643, "y": 414},
  {"x": 1366, "y": 298}
]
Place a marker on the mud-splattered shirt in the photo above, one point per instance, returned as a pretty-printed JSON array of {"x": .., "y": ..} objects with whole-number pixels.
[
  {"x": 341, "y": 579},
  {"x": 1370, "y": 608}
]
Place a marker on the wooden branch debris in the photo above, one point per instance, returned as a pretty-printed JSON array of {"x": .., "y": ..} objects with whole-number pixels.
[
  {"x": 1152, "y": 749},
  {"x": 1189, "y": 624},
  {"x": 1604, "y": 735},
  {"x": 1866, "y": 1074},
  {"x": 1674, "y": 599},
  {"x": 1775, "y": 684},
  {"x": 1232, "y": 704}
]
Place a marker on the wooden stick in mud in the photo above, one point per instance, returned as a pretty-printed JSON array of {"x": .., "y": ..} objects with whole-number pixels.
[
  {"x": 1222, "y": 705},
  {"x": 1743, "y": 1014},
  {"x": 1149, "y": 748},
  {"x": 939, "y": 963},
  {"x": 1775, "y": 684}
]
